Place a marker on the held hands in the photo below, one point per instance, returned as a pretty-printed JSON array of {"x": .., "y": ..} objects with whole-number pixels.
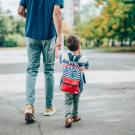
[
  {"x": 58, "y": 42},
  {"x": 56, "y": 52},
  {"x": 57, "y": 47}
]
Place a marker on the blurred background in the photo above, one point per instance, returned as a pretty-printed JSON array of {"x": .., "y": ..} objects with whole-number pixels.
[
  {"x": 108, "y": 102},
  {"x": 99, "y": 23}
]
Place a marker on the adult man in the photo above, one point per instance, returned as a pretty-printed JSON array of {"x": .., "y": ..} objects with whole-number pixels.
[{"x": 43, "y": 22}]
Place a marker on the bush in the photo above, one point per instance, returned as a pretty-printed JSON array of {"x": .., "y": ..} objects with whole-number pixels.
[
  {"x": 20, "y": 40},
  {"x": 14, "y": 40},
  {"x": 10, "y": 41},
  {"x": 11, "y": 30}
]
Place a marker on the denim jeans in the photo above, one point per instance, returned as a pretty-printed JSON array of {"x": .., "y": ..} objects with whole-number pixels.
[
  {"x": 71, "y": 104},
  {"x": 34, "y": 50}
]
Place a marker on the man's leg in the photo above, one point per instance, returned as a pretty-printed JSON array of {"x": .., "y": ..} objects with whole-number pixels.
[
  {"x": 33, "y": 51},
  {"x": 48, "y": 59}
]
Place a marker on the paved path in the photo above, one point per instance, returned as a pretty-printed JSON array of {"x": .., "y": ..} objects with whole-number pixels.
[{"x": 107, "y": 104}]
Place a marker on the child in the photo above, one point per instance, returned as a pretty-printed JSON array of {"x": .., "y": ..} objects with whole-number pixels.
[{"x": 72, "y": 99}]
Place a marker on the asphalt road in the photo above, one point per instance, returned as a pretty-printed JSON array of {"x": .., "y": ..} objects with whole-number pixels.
[
  {"x": 107, "y": 105},
  {"x": 98, "y": 61}
]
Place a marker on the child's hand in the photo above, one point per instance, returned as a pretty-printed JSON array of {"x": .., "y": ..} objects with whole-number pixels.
[
  {"x": 82, "y": 69},
  {"x": 56, "y": 52}
]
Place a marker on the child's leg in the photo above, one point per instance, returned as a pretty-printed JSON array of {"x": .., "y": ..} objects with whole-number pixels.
[
  {"x": 75, "y": 104},
  {"x": 68, "y": 104}
]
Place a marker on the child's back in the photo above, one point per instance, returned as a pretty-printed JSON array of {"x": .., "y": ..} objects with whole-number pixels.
[{"x": 73, "y": 78}]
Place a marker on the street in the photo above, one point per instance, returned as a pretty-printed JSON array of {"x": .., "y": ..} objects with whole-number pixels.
[{"x": 107, "y": 104}]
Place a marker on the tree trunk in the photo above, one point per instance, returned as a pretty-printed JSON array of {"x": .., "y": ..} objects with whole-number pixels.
[
  {"x": 113, "y": 43},
  {"x": 130, "y": 42},
  {"x": 122, "y": 44},
  {"x": 108, "y": 42},
  {"x": 96, "y": 43}
]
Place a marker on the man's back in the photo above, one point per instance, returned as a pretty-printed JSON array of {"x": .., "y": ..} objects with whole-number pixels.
[{"x": 39, "y": 18}]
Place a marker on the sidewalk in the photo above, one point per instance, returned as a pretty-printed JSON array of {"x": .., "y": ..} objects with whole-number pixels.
[
  {"x": 107, "y": 105},
  {"x": 106, "y": 110}
]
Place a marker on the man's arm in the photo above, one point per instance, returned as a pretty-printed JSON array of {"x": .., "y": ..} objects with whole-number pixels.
[
  {"x": 57, "y": 18},
  {"x": 22, "y": 8},
  {"x": 21, "y": 11}
]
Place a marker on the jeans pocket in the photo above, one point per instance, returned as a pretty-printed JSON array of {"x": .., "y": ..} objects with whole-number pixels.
[
  {"x": 49, "y": 51},
  {"x": 52, "y": 43},
  {"x": 51, "y": 55},
  {"x": 29, "y": 41}
]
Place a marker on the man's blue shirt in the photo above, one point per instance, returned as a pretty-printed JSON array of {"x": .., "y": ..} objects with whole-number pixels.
[{"x": 39, "y": 18}]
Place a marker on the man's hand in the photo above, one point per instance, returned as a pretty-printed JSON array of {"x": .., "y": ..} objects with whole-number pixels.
[
  {"x": 56, "y": 52},
  {"x": 58, "y": 42},
  {"x": 21, "y": 11},
  {"x": 57, "y": 47}
]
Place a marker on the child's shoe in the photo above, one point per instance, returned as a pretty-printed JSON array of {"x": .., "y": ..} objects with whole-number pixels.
[
  {"x": 49, "y": 111},
  {"x": 76, "y": 118},
  {"x": 29, "y": 114},
  {"x": 68, "y": 122}
]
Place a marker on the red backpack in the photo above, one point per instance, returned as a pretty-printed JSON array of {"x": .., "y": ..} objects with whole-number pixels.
[{"x": 71, "y": 76}]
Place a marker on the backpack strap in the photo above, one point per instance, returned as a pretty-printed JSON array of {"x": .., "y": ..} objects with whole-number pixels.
[
  {"x": 77, "y": 58},
  {"x": 70, "y": 56}
]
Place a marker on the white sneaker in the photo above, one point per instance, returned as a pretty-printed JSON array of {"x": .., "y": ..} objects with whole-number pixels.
[
  {"x": 29, "y": 114},
  {"x": 49, "y": 111}
]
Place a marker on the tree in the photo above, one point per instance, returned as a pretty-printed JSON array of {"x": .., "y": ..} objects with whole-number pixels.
[
  {"x": 10, "y": 29},
  {"x": 115, "y": 23}
]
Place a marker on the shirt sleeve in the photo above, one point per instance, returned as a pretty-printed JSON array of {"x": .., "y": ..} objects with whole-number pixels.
[
  {"x": 60, "y": 3},
  {"x": 83, "y": 62},
  {"x": 87, "y": 65},
  {"x": 23, "y": 3}
]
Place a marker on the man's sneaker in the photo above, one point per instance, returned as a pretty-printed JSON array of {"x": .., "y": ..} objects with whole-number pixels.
[
  {"x": 49, "y": 111},
  {"x": 29, "y": 114}
]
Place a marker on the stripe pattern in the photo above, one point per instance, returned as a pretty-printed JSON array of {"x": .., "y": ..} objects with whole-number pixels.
[{"x": 72, "y": 71}]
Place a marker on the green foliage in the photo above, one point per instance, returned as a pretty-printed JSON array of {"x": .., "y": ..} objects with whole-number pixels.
[
  {"x": 10, "y": 29},
  {"x": 13, "y": 40},
  {"x": 10, "y": 41},
  {"x": 115, "y": 23}
]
